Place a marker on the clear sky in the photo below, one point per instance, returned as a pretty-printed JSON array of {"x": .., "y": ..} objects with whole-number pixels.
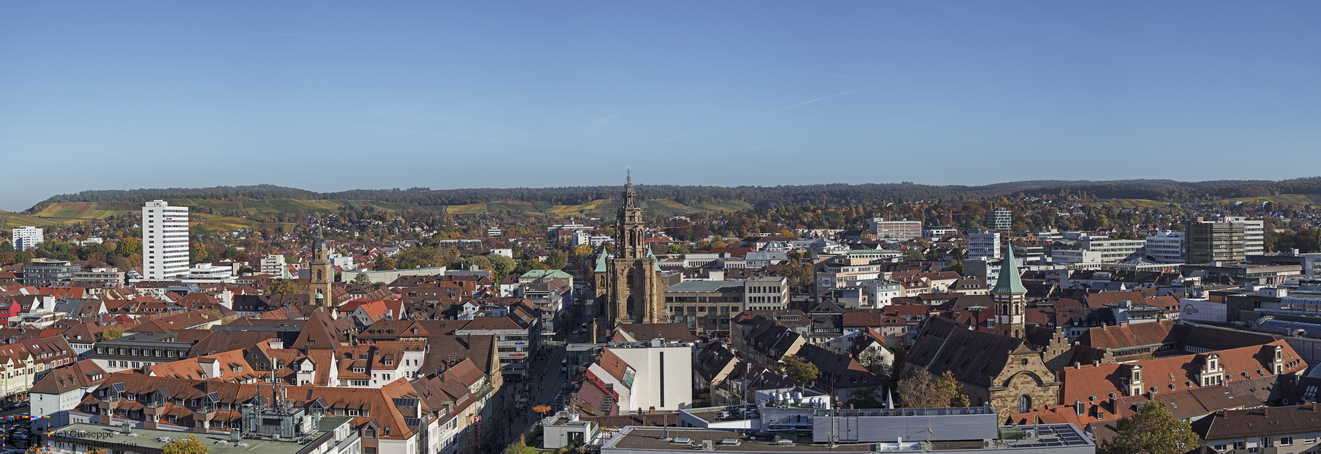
[{"x": 332, "y": 96}]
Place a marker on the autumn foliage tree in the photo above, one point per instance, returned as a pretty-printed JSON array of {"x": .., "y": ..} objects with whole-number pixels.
[
  {"x": 1151, "y": 430},
  {"x": 799, "y": 369},
  {"x": 185, "y": 445},
  {"x": 924, "y": 390}
]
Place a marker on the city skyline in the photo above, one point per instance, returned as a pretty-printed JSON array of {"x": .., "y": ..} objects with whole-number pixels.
[{"x": 538, "y": 95}]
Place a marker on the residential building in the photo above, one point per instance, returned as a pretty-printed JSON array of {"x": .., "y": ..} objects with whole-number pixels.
[
  {"x": 164, "y": 241},
  {"x": 27, "y": 238},
  {"x": 901, "y": 230},
  {"x": 1281, "y": 430},
  {"x": 43, "y": 272},
  {"x": 766, "y": 293},
  {"x": 516, "y": 337},
  {"x": 60, "y": 391},
  {"x": 1165, "y": 247},
  {"x": 1000, "y": 219},
  {"x": 138, "y": 350},
  {"x": 273, "y": 264}
]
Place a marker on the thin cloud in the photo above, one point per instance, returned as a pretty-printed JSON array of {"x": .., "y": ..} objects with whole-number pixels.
[
  {"x": 457, "y": 136},
  {"x": 821, "y": 99},
  {"x": 602, "y": 122},
  {"x": 250, "y": 32},
  {"x": 672, "y": 138},
  {"x": 916, "y": 74}
]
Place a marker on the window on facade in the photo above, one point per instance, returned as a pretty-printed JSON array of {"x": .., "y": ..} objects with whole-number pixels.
[
  {"x": 369, "y": 433},
  {"x": 1286, "y": 441}
]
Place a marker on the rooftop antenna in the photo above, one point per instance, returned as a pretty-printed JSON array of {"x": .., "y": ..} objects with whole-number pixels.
[{"x": 629, "y": 175}]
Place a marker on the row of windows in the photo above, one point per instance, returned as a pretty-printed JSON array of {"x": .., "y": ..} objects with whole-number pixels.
[{"x": 158, "y": 353}]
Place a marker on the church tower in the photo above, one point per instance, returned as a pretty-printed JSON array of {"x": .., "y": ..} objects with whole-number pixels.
[
  {"x": 321, "y": 274},
  {"x": 634, "y": 292},
  {"x": 1010, "y": 298}
]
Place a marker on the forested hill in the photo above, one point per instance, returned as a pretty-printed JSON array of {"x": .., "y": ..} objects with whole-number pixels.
[{"x": 770, "y": 196}]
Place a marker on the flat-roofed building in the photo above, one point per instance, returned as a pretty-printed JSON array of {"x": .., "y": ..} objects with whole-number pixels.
[
  {"x": 704, "y": 306},
  {"x": 901, "y": 230}
]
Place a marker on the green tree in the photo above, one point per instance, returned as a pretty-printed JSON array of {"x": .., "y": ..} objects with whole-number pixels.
[
  {"x": 557, "y": 259},
  {"x": 362, "y": 279},
  {"x": 1150, "y": 430},
  {"x": 113, "y": 332},
  {"x": 501, "y": 266},
  {"x": 383, "y": 263},
  {"x": 282, "y": 287},
  {"x": 677, "y": 248},
  {"x": 185, "y": 445},
  {"x": 799, "y": 369},
  {"x": 529, "y": 265}
]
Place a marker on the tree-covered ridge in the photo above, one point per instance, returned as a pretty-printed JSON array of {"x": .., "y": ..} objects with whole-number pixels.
[{"x": 759, "y": 196}]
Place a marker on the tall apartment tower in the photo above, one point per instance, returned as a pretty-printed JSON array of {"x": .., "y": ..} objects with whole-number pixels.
[
  {"x": 164, "y": 241},
  {"x": 1000, "y": 219},
  {"x": 27, "y": 238},
  {"x": 1210, "y": 242}
]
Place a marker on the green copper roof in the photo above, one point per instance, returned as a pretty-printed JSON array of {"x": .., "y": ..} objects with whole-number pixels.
[
  {"x": 1009, "y": 282},
  {"x": 652, "y": 256},
  {"x": 602, "y": 259}
]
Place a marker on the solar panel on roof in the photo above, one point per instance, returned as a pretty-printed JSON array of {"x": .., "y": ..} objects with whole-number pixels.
[
  {"x": 401, "y": 402},
  {"x": 118, "y": 387}
]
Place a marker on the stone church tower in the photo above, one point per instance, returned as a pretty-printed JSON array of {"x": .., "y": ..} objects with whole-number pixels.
[
  {"x": 1010, "y": 298},
  {"x": 322, "y": 273},
  {"x": 633, "y": 290}
]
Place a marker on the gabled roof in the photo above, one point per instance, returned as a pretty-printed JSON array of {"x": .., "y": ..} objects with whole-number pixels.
[
  {"x": 1174, "y": 373},
  {"x": 972, "y": 356}
]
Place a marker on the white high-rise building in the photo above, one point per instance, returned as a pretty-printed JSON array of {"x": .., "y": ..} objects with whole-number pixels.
[
  {"x": 27, "y": 237},
  {"x": 164, "y": 241}
]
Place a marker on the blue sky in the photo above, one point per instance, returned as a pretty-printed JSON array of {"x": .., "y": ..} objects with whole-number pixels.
[{"x": 333, "y": 96}]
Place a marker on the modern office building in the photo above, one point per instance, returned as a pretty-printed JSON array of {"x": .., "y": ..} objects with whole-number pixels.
[
  {"x": 1166, "y": 247},
  {"x": 1254, "y": 233},
  {"x": 901, "y": 230},
  {"x": 1210, "y": 242},
  {"x": 27, "y": 237},
  {"x": 164, "y": 241},
  {"x": 1099, "y": 250},
  {"x": 983, "y": 244}
]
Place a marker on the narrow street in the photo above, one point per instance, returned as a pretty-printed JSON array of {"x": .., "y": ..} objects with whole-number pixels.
[{"x": 543, "y": 384}]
